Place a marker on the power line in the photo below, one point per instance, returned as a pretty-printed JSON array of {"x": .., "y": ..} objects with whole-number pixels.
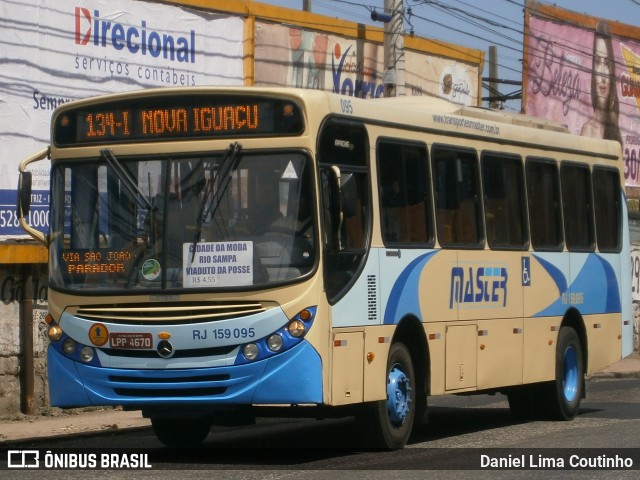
[{"x": 498, "y": 30}]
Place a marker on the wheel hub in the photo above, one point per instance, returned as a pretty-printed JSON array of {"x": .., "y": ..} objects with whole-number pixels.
[
  {"x": 570, "y": 380},
  {"x": 398, "y": 396}
]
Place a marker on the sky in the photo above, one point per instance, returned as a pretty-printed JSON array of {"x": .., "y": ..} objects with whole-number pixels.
[{"x": 473, "y": 23}]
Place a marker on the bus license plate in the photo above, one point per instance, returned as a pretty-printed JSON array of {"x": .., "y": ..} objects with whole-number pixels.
[{"x": 131, "y": 341}]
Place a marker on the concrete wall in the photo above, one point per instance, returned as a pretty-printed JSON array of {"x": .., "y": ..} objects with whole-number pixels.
[{"x": 11, "y": 361}]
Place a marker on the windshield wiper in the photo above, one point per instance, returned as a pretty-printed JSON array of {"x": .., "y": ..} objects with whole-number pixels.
[
  {"x": 209, "y": 206},
  {"x": 126, "y": 179}
]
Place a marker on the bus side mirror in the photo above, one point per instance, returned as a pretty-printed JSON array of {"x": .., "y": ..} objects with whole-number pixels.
[{"x": 24, "y": 194}]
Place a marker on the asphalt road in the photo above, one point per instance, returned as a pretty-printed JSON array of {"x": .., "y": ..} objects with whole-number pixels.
[{"x": 461, "y": 433}]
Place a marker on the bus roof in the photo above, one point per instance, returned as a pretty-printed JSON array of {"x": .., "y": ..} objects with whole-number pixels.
[{"x": 414, "y": 112}]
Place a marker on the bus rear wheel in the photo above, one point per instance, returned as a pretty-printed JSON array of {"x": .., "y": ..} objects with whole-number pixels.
[
  {"x": 181, "y": 432},
  {"x": 562, "y": 396},
  {"x": 388, "y": 423}
]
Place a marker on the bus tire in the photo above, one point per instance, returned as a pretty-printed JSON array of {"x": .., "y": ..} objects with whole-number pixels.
[
  {"x": 181, "y": 432},
  {"x": 388, "y": 423},
  {"x": 562, "y": 396}
]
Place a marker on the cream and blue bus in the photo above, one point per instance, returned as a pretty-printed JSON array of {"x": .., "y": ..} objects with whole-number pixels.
[{"x": 220, "y": 254}]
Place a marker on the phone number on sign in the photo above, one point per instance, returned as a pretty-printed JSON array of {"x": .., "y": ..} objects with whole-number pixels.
[{"x": 36, "y": 218}]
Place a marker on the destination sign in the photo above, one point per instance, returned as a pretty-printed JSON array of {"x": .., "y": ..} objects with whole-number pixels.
[
  {"x": 96, "y": 262},
  {"x": 171, "y": 117}
]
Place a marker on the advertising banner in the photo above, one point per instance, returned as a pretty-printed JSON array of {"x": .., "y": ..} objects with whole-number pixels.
[
  {"x": 587, "y": 78},
  {"x": 54, "y": 51},
  {"x": 295, "y": 57},
  {"x": 441, "y": 77}
]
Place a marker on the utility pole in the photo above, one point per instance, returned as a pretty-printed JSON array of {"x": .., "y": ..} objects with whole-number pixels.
[
  {"x": 394, "y": 49},
  {"x": 493, "y": 75},
  {"x": 306, "y": 5},
  {"x": 495, "y": 98},
  {"x": 27, "y": 368}
]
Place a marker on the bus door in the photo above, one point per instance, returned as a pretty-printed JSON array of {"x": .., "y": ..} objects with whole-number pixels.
[{"x": 346, "y": 216}]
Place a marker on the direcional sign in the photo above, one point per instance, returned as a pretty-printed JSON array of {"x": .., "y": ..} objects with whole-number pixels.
[{"x": 177, "y": 118}]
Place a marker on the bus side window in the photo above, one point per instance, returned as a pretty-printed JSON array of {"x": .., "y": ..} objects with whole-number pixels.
[
  {"x": 405, "y": 199},
  {"x": 543, "y": 193},
  {"x": 577, "y": 206},
  {"x": 504, "y": 201},
  {"x": 457, "y": 196},
  {"x": 608, "y": 209}
]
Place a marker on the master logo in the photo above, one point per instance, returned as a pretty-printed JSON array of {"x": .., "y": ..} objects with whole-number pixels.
[{"x": 478, "y": 285}]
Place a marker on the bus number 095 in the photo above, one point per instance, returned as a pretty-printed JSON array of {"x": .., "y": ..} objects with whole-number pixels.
[{"x": 346, "y": 106}]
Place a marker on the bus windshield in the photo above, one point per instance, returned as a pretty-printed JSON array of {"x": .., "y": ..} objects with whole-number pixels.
[{"x": 232, "y": 219}]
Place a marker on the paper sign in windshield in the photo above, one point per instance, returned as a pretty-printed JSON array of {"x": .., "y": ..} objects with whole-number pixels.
[{"x": 217, "y": 264}]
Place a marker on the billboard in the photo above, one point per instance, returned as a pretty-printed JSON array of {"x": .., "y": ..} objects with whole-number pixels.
[
  {"x": 295, "y": 57},
  {"x": 54, "y": 51},
  {"x": 584, "y": 72}
]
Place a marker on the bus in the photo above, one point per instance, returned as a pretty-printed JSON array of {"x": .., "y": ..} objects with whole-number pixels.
[{"x": 221, "y": 254}]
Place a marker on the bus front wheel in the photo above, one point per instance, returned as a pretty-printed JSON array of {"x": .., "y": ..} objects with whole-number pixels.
[
  {"x": 388, "y": 423},
  {"x": 181, "y": 432}
]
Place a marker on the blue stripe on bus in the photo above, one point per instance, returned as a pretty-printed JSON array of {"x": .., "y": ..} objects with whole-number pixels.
[
  {"x": 614, "y": 302},
  {"x": 404, "y": 297},
  {"x": 594, "y": 290},
  {"x": 554, "y": 272}
]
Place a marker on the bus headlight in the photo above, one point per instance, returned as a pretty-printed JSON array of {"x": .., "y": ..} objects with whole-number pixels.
[
  {"x": 297, "y": 328},
  {"x": 250, "y": 351},
  {"x": 69, "y": 346},
  {"x": 86, "y": 354},
  {"x": 55, "y": 333},
  {"x": 275, "y": 342}
]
